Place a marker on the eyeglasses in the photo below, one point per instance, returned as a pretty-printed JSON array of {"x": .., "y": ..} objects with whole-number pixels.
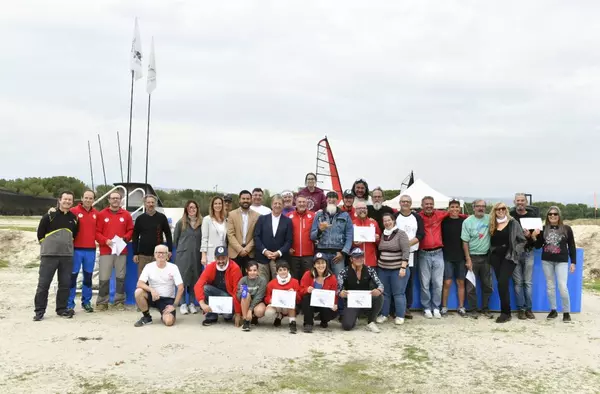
[
  {"x": 405, "y": 202},
  {"x": 553, "y": 214},
  {"x": 114, "y": 198},
  {"x": 360, "y": 180},
  {"x": 501, "y": 209},
  {"x": 480, "y": 206}
]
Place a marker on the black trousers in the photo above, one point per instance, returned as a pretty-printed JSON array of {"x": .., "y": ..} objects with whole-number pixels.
[
  {"x": 482, "y": 270},
  {"x": 243, "y": 263},
  {"x": 351, "y": 314},
  {"x": 504, "y": 270},
  {"x": 327, "y": 314},
  {"x": 48, "y": 267},
  {"x": 299, "y": 265}
]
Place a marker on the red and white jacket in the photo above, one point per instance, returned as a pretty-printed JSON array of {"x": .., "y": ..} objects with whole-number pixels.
[
  {"x": 301, "y": 225},
  {"x": 233, "y": 274},
  {"x": 274, "y": 285},
  {"x": 370, "y": 248},
  {"x": 109, "y": 224},
  {"x": 330, "y": 283},
  {"x": 86, "y": 235},
  {"x": 433, "y": 229}
]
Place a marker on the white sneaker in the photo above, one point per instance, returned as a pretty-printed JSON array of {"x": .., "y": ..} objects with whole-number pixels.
[
  {"x": 193, "y": 309},
  {"x": 381, "y": 319},
  {"x": 436, "y": 314},
  {"x": 184, "y": 309},
  {"x": 399, "y": 321},
  {"x": 373, "y": 327},
  {"x": 428, "y": 314}
]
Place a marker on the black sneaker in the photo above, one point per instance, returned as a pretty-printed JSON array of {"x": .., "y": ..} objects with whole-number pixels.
[
  {"x": 292, "y": 326},
  {"x": 324, "y": 324},
  {"x": 88, "y": 308},
  {"x": 308, "y": 328},
  {"x": 408, "y": 315},
  {"x": 522, "y": 315},
  {"x": 529, "y": 315},
  {"x": 254, "y": 321},
  {"x": 68, "y": 314},
  {"x": 144, "y": 321},
  {"x": 487, "y": 313},
  {"x": 246, "y": 326},
  {"x": 503, "y": 318},
  {"x": 474, "y": 314},
  {"x": 552, "y": 315},
  {"x": 38, "y": 317},
  {"x": 277, "y": 322},
  {"x": 208, "y": 322},
  {"x": 566, "y": 317}
]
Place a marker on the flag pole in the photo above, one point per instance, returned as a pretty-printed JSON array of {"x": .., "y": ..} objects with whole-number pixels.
[
  {"x": 130, "y": 119},
  {"x": 102, "y": 160},
  {"x": 148, "y": 137},
  {"x": 120, "y": 159},
  {"x": 91, "y": 171}
]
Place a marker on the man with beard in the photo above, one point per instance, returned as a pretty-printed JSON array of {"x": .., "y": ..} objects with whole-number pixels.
[
  {"x": 360, "y": 189},
  {"x": 523, "y": 273},
  {"x": 412, "y": 224},
  {"x": 240, "y": 231},
  {"x": 377, "y": 210},
  {"x": 333, "y": 233},
  {"x": 348, "y": 203},
  {"x": 315, "y": 197},
  {"x": 257, "y": 200}
]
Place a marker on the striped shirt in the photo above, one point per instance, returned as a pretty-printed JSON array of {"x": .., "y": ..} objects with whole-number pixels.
[{"x": 393, "y": 250}]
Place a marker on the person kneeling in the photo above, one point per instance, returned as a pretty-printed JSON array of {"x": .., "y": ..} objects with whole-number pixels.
[
  {"x": 319, "y": 277},
  {"x": 250, "y": 293},
  {"x": 219, "y": 279},
  {"x": 360, "y": 277},
  {"x": 283, "y": 281},
  {"x": 156, "y": 288}
]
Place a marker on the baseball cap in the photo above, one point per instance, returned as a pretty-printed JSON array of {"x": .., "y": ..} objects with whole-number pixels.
[
  {"x": 348, "y": 193},
  {"x": 220, "y": 251},
  {"x": 332, "y": 194},
  {"x": 227, "y": 198},
  {"x": 357, "y": 252},
  {"x": 318, "y": 256}
]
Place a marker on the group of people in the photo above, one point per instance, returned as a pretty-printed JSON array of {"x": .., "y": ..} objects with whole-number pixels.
[{"x": 303, "y": 242}]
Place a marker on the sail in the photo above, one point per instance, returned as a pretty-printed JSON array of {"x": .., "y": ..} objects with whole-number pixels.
[
  {"x": 327, "y": 173},
  {"x": 407, "y": 182}
]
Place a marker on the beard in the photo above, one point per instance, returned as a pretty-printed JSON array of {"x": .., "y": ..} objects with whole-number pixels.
[
  {"x": 331, "y": 209},
  {"x": 377, "y": 206}
]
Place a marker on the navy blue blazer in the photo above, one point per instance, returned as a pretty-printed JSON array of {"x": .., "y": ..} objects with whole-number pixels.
[{"x": 263, "y": 237}]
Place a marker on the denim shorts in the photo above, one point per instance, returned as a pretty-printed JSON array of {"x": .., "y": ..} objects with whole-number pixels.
[{"x": 455, "y": 269}]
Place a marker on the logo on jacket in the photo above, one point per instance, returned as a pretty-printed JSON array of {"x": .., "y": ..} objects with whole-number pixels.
[
  {"x": 309, "y": 216},
  {"x": 94, "y": 216},
  {"x": 291, "y": 216},
  {"x": 80, "y": 215},
  {"x": 121, "y": 220},
  {"x": 106, "y": 220}
]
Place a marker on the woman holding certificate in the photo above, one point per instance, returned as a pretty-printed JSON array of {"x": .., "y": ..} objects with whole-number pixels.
[
  {"x": 283, "y": 293},
  {"x": 362, "y": 289},
  {"x": 392, "y": 268},
  {"x": 317, "y": 289}
]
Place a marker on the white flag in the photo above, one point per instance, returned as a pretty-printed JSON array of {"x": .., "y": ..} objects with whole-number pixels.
[
  {"x": 151, "y": 83},
  {"x": 135, "y": 58}
]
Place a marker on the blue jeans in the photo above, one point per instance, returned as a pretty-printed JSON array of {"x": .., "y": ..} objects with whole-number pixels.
[
  {"x": 562, "y": 275},
  {"x": 210, "y": 290},
  {"x": 87, "y": 259},
  {"x": 522, "y": 278},
  {"x": 431, "y": 274},
  {"x": 394, "y": 286}
]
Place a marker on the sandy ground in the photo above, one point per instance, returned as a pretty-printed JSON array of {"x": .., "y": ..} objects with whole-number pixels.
[{"x": 104, "y": 353}]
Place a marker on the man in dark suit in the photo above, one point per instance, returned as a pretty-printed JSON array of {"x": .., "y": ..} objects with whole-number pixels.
[{"x": 272, "y": 239}]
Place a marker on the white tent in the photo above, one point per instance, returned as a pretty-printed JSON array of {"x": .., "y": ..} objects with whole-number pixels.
[{"x": 417, "y": 191}]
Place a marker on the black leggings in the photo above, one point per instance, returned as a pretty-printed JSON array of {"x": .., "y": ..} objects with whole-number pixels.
[
  {"x": 309, "y": 312},
  {"x": 504, "y": 269}
]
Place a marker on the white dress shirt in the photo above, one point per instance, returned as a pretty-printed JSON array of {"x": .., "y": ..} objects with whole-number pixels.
[
  {"x": 274, "y": 224},
  {"x": 244, "y": 226}
]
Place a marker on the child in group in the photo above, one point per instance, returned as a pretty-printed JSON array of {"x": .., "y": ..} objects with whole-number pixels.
[
  {"x": 283, "y": 281},
  {"x": 251, "y": 293}
]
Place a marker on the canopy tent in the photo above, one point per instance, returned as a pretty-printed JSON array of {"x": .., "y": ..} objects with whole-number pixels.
[{"x": 417, "y": 191}]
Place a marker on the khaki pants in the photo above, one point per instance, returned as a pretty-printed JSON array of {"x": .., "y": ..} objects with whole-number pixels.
[
  {"x": 106, "y": 265},
  {"x": 142, "y": 262},
  {"x": 269, "y": 271}
]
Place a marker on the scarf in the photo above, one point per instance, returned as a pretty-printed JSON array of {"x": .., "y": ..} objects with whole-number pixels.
[
  {"x": 284, "y": 281},
  {"x": 389, "y": 232},
  {"x": 502, "y": 220}
]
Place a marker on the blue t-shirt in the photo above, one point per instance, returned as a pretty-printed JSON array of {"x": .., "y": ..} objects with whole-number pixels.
[
  {"x": 317, "y": 285},
  {"x": 476, "y": 232}
]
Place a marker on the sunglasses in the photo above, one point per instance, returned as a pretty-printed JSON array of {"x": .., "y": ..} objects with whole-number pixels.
[
  {"x": 405, "y": 202},
  {"x": 501, "y": 209},
  {"x": 553, "y": 214},
  {"x": 479, "y": 206}
]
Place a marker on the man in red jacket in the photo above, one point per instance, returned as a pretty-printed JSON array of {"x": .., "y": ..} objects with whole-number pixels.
[
  {"x": 361, "y": 220},
  {"x": 303, "y": 248},
  {"x": 112, "y": 223},
  {"x": 219, "y": 279},
  {"x": 84, "y": 255}
]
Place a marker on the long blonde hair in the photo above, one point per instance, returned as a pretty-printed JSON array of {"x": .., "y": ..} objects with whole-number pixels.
[
  {"x": 184, "y": 218},
  {"x": 493, "y": 223},
  {"x": 211, "y": 211}
]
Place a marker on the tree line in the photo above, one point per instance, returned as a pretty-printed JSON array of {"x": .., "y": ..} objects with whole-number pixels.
[{"x": 44, "y": 188}]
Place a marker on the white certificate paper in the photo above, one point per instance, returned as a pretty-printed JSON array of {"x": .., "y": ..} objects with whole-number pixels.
[
  {"x": 221, "y": 304},
  {"x": 117, "y": 245},
  {"x": 322, "y": 298},
  {"x": 359, "y": 299},
  {"x": 364, "y": 234},
  {"x": 531, "y": 223},
  {"x": 471, "y": 278},
  {"x": 283, "y": 299}
]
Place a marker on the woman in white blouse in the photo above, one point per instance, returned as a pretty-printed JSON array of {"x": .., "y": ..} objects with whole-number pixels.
[{"x": 214, "y": 230}]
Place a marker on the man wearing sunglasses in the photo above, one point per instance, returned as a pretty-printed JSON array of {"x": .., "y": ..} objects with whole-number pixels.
[{"x": 523, "y": 273}]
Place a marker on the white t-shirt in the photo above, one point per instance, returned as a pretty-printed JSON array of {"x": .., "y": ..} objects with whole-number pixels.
[
  {"x": 261, "y": 209},
  {"x": 162, "y": 280},
  {"x": 409, "y": 225}
]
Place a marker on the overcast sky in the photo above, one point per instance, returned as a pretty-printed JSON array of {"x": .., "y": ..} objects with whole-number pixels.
[{"x": 478, "y": 98}]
